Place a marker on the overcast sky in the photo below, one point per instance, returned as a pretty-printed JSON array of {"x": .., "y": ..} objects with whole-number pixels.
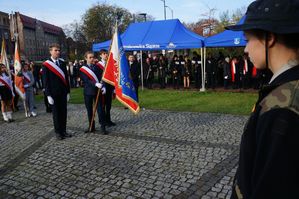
[{"x": 62, "y": 12}]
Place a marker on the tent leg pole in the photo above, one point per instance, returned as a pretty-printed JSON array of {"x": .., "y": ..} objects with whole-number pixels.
[
  {"x": 202, "y": 71},
  {"x": 141, "y": 65},
  {"x": 204, "y": 68}
]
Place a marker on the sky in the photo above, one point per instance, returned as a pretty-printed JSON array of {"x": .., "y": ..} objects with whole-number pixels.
[{"x": 63, "y": 12}]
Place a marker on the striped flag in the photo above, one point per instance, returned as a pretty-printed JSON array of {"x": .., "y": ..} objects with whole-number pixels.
[
  {"x": 117, "y": 73},
  {"x": 19, "y": 86},
  {"x": 4, "y": 59}
]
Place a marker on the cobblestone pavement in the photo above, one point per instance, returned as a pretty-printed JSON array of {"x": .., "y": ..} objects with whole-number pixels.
[{"x": 156, "y": 154}]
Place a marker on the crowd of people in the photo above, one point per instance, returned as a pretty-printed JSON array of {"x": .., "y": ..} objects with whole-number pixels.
[
  {"x": 159, "y": 71},
  {"x": 9, "y": 97}
]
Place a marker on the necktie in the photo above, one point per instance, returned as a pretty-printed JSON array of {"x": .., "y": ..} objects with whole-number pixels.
[{"x": 57, "y": 63}]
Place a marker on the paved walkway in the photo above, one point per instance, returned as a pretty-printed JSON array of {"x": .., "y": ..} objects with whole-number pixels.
[{"x": 156, "y": 154}]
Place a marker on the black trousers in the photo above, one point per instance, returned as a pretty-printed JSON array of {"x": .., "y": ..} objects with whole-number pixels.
[
  {"x": 59, "y": 110},
  {"x": 197, "y": 80},
  {"x": 136, "y": 85},
  {"x": 108, "y": 102},
  {"x": 89, "y": 100},
  {"x": 211, "y": 78},
  {"x": 48, "y": 106},
  {"x": 175, "y": 82}
]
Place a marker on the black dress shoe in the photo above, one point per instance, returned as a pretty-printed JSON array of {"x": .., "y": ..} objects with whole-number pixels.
[
  {"x": 67, "y": 135},
  {"x": 110, "y": 124},
  {"x": 60, "y": 137},
  {"x": 103, "y": 130}
]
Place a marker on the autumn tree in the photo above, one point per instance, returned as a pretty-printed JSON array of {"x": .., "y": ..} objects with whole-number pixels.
[
  {"x": 99, "y": 20},
  {"x": 76, "y": 40}
]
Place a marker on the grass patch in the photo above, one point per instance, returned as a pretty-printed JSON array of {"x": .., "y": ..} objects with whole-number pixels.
[{"x": 191, "y": 101}]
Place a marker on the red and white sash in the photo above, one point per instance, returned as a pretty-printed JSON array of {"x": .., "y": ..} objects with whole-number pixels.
[
  {"x": 233, "y": 70},
  {"x": 90, "y": 74},
  {"x": 245, "y": 69},
  {"x": 101, "y": 65},
  {"x": 56, "y": 70},
  {"x": 26, "y": 78},
  {"x": 7, "y": 83}
]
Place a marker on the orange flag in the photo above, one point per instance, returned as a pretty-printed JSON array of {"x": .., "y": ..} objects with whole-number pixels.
[{"x": 19, "y": 86}]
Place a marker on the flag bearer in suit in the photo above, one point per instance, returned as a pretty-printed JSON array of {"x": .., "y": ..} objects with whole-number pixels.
[
  {"x": 91, "y": 76},
  {"x": 57, "y": 90},
  {"x": 109, "y": 89}
]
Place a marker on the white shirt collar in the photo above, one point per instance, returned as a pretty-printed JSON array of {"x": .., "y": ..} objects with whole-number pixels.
[
  {"x": 284, "y": 68},
  {"x": 103, "y": 62},
  {"x": 54, "y": 60}
]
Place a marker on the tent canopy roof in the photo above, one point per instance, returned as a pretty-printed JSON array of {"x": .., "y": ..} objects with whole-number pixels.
[
  {"x": 156, "y": 35},
  {"x": 227, "y": 38}
]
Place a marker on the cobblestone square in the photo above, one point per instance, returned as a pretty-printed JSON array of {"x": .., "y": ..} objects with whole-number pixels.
[{"x": 156, "y": 154}]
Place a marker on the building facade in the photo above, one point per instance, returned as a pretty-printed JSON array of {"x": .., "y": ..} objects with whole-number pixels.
[
  {"x": 5, "y": 33},
  {"x": 35, "y": 37}
]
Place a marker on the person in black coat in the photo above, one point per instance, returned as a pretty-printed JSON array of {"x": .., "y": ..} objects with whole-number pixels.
[
  {"x": 162, "y": 70},
  {"x": 91, "y": 76},
  {"x": 268, "y": 161},
  {"x": 196, "y": 65},
  {"x": 134, "y": 72},
  {"x": 109, "y": 89},
  {"x": 57, "y": 89},
  {"x": 226, "y": 72},
  {"x": 175, "y": 68},
  {"x": 186, "y": 71},
  {"x": 150, "y": 73},
  {"x": 211, "y": 70}
]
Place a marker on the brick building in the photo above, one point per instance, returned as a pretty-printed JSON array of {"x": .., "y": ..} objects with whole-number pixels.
[
  {"x": 35, "y": 36},
  {"x": 4, "y": 33}
]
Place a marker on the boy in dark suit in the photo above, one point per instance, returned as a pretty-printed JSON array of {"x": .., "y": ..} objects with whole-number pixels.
[
  {"x": 91, "y": 76},
  {"x": 110, "y": 89},
  {"x": 57, "y": 89}
]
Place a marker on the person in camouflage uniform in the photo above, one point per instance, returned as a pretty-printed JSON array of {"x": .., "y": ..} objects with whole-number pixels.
[{"x": 268, "y": 162}]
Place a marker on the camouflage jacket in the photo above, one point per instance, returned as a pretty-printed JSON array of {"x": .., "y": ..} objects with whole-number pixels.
[{"x": 269, "y": 160}]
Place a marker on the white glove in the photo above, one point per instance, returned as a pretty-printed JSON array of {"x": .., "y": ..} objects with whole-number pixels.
[
  {"x": 68, "y": 97},
  {"x": 50, "y": 100},
  {"x": 103, "y": 90},
  {"x": 26, "y": 86},
  {"x": 99, "y": 85}
]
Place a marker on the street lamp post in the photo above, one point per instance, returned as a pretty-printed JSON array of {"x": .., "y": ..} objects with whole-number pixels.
[
  {"x": 164, "y": 9},
  {"x": 171, "y": 11},
  {"x": 144, "y": 15}
]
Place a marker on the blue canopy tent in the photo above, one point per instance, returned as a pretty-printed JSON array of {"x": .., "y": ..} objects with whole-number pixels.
[
  {"x": 156, "y": 35},
  {"x": 226, "y": 38}
]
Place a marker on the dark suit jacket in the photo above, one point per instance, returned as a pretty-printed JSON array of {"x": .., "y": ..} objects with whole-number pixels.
[
  {"x": 54, "y": 86},
  {"x": 89, "y": 85},
  {"x": 135, "y": 72}
]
